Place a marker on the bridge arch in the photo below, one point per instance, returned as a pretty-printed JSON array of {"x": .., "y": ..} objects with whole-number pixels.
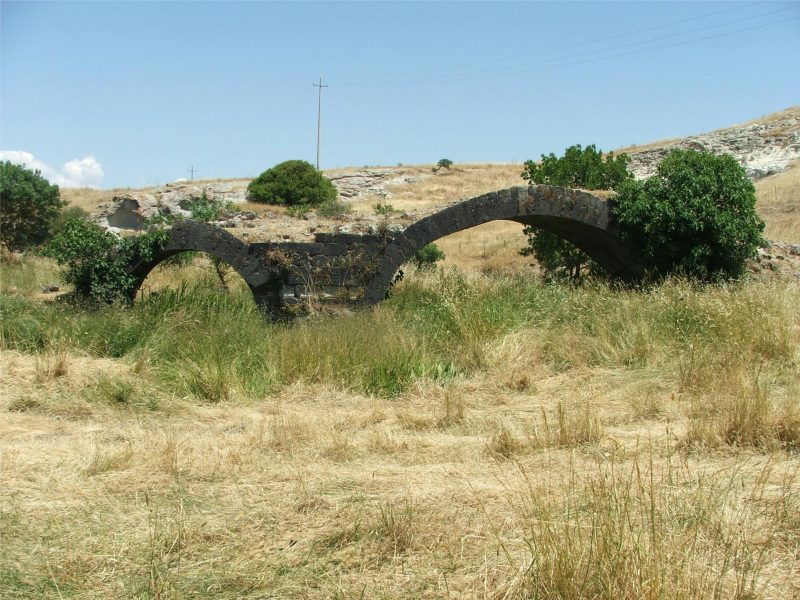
[
  {"x": 262, "y": 278},
  {"x": 579, "y": 217}
]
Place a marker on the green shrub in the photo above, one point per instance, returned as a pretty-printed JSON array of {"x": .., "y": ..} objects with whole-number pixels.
[
  {"x": 291, "y": 183},
  {"x": 427, "y": 256},
  {"x": 333, "y": 208},
  {"x": 578, "y": 168},
  {"x": 384, "y": 209},
  {"x": 67, "y": 214},
  {"x": 205, "y": 209},
  {"x": 695, "y": 216},
  {"x": 98, "y": 263},
  {"x": 557, "y": 257},
  {"x": 28, "y": 206}
]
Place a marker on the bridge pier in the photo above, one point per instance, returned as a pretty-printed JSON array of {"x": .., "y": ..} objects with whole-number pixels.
[{"x": 268, "y": 299}]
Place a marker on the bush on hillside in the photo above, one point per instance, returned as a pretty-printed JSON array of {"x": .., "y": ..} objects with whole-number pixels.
[
  {"x": 66, "y": 215},
  {"x": 292, "y": 183},
  {"x": 696, "y": 216},
  {"x": 578, "y": 168},
  {"x": 203, "y": 208},
  {"x": 28, "y": 206}
]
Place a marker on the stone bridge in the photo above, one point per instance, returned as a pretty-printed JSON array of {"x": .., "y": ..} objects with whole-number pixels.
[{"x": 359, "y": 269}]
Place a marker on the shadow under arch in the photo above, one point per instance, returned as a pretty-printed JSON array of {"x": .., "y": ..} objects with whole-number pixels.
[
  {"x": 579, "y": 217},
  {"x": 194, "y": 236}
]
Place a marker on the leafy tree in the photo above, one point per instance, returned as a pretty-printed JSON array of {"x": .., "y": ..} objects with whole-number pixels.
[
  {"x": 292, "y": 183},
  {"x": 98, "y": 263},
  {"x": 444, "y": 163},
  {"x": 28, "y": 205},
  {"x": 582, "y": 168},
  {"x": 555, "y": 255},
  {"x": 695, "y": 216}
]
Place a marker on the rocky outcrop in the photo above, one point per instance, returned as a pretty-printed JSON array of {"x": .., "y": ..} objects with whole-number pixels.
[
  {"x": 776, "y": 258},
  {"x": 130, "y": 210},
  {"x": 762, "y": 148},
  {"x": 352, "y": 184}
]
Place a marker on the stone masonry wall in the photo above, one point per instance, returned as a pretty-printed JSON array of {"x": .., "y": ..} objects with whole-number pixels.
[{"x": 335, "y": 267}]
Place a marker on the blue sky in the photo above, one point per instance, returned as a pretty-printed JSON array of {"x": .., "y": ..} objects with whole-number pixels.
[{"x": 118, "y": 94}]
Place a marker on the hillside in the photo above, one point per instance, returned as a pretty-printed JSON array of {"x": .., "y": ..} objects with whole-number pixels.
[{"x": 769, "y": 148}]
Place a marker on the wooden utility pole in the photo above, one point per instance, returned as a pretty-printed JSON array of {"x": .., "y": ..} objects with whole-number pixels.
[
  {"x": 192, "y": 170},
  {"x": 319, "y": 114}
]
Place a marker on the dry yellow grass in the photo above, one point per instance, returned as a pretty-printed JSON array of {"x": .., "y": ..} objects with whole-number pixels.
[
  {"x": 315, "y": 492},
  {"x": 90, "y": 199},
  {"x": 532, "y": 477},
  {"x": 778, "y": 203}
]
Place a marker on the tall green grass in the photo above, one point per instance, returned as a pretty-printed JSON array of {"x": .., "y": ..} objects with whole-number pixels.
[{"x": 201, "y": 342}]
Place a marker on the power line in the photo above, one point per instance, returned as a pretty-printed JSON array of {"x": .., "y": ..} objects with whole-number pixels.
[
  {"x": 631, "y": 53},
  {"x": 523, "y": 68},
  {"x": 568, "y": 46}
]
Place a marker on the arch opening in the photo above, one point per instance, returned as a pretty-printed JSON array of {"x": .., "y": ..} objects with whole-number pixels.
[
  {"x": 192, "y": 271},
  {"x": 492, "y": 246},
  {"x": 578, "y": 217}
]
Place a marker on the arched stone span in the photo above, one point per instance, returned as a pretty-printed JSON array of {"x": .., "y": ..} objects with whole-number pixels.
[
  {"x": 579, "y": 217},
  {"x": 352, "y": 268},
  {"x": 193, "y": 236}
]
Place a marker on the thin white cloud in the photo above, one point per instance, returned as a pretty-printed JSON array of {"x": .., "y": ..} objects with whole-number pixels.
[
  {"x": 79, "y": 172},
  {"x": 87, "y": 171}
]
